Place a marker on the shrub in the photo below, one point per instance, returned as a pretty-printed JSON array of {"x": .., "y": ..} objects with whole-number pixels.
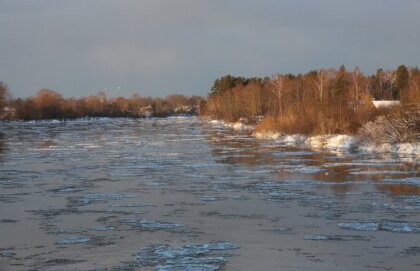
[{"x": 395, "y": 127}]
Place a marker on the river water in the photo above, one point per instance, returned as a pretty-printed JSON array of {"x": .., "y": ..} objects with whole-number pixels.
[{"x": 183, "y": 194}]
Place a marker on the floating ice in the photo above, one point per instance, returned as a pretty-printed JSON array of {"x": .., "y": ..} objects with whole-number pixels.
[
  {"x": 281, "y": 229},
  {"x": 217, "y": 198},
  {"x": 306, "y": 170},
  {"x": 73, "y": 240},
  {"x": 376, "y": 172},
  {"x": 135, "y": 204},
  {"x": 7, "y": 254},
  {"x": 401, "y": 227},
  {"x": 316, "y": 237},
  {"x": 412, "y": 180},
  {"x": 358, "y": 226},
  {"x": 209, "y": 198},
  {"x": 103, "y": 228},
  {"x": 334, "y": 238},
  {"x": 197, "y": 257},
  {"x": 98, "y": 198},
  {"x": 390, "y": 226},
  {"x": 151, "y": 225}
]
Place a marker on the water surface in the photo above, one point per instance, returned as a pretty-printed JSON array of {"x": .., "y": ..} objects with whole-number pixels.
[{"x": 182, "y": 194}]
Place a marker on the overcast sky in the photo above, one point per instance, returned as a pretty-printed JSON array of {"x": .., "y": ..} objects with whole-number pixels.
[{"x": 157, "y": 47}]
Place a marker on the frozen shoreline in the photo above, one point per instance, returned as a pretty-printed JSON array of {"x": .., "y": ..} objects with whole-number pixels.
[{"x": 326, "y": 142}]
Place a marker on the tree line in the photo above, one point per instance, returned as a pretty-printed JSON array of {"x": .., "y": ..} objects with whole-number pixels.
[
  {"x": 49, "y": 104},
  {"x": 325, "y": 101}
]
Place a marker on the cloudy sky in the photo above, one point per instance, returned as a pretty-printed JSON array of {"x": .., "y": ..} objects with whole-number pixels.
[{"x": 159, "y": 47}]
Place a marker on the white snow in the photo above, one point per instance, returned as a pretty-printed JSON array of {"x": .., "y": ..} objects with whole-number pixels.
[
  {"x": 235, "y": 125},
  {"x": 267, "y": 135},
  {"x": 334, "y": 143},
  {"x": 386, "y": 104},
  {"x": 401, "y": 148},
  {"x": 344, "y": 142}
]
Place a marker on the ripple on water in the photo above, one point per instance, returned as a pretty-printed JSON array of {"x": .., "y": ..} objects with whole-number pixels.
[
  {"x": 200, "y": 257},
  {"x": 389, "y": 226},
  {"x": 151, "y": 225}
]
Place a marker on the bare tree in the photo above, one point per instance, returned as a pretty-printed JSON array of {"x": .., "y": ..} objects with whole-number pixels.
[
  {"x": 277, "y": 89},
  {"x": 320, "y": 82},
  {"x": 356, "y": 78},
  {"x": 3, "y": 95}
]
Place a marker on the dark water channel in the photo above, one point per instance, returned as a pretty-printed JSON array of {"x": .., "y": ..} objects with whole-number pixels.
[{"x": 182, "y": 194}]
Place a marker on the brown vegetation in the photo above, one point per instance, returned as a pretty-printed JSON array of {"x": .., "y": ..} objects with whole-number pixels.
[
  {"x": 319, "y": 102},
  {"x": 48, "y": 104},
  {"x": 396, "y": 126}
]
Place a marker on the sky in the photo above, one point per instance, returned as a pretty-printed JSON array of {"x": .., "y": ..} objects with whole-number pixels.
[{"x": 161, "y": 47}]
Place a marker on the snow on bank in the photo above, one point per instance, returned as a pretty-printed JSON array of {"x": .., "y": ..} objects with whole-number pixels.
[
  {"x": 236, "y": 125},
  {"x": 386, "y": 104},
  {"x": 401, "y": 148},
  {"x": 339, "y": 143},
  {"x": 315, "y": 142},
  {"x": 335, "y": 143},
  {"x": 331, "y": 142}
]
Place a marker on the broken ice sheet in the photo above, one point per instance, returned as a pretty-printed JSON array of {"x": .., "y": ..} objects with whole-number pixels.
[
  {"x": 217, "y": 198},
  {"x": 7, "y": 253},
  {"x": 99, "y": 198},
  {"x": 103, "y": 228},
  {"x": 73, "y": 240},
  {"x": 129, "y": 205},
  {"x": 306, "y": 170},
  {"x": 320, "y": 237},
  {"x": 390, "y": 226},
  {"x": 316, "y": 237},
  {"x": 151, "y": 225},
  {"x": 200, "y": 257}
]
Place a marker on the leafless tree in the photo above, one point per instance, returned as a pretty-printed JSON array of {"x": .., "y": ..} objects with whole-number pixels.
[{"x": 277, "y": 88}]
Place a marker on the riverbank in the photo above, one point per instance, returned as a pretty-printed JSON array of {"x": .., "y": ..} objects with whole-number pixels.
[{"x": 334, "y": 142}]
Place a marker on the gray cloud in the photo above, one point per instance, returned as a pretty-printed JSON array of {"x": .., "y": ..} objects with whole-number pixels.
[{"x": 159, "y": 47}]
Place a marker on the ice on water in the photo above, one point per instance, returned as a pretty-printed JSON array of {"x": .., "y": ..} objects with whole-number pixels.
[
  {"x": 389, "y": 226},
  {"x": 151, "y": 225},
  {"x": 197, "y": 257},
  {"x": 73, "y": 240}
]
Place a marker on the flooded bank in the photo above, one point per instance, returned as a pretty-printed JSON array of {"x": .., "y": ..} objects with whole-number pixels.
[{"x": 181, "y": 194}]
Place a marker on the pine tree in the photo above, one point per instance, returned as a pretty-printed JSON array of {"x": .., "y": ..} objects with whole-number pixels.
[{"x": 402, "y": 81}]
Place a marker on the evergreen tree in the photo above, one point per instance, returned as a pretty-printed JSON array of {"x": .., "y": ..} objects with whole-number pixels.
[
  {"x": 402, "y": 81},
  {"x": 3, "y": 96}
]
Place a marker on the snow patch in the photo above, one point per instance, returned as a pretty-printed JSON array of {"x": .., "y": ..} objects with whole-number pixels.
[
  {"x": 331, "y": 141},
  {"x": 386, "y": 104},
  {"x": 411, "y": 149},
  {"x": 266, "y": 135},
  {"x": 235, "y": 125},
  {"x": 340, "y": 143}
]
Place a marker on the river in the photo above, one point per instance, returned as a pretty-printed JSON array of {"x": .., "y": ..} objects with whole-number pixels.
[{"x": 184, "y": 194}]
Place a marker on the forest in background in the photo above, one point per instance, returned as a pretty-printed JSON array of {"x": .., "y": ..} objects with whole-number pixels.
[
  {"x": 326, "y": 101},
  {"x": 48, "y": 104}
]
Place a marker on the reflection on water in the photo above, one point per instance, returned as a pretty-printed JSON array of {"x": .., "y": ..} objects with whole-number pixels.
[
  {"x": 178, "y": 193},
  {"x": 2, "y": 146},
  {"x": 345, "y": 172}
]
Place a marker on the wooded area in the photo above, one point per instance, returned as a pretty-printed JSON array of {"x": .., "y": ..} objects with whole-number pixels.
[
  {"x": 326, "y": 101},
  {"x": 48, "y": 104}
]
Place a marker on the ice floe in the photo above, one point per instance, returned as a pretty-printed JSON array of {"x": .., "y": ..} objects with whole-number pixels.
[
  {"x": 99, "y": 198},
  {"x": 339, "y": 143},
  {"x": 151, "y": 225},
  {"x": 390, "y": 226},
  {"x": 196, "y": 257},
  {"x": 103, "y": 228},
  {"x": 73, "y": 240}
]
